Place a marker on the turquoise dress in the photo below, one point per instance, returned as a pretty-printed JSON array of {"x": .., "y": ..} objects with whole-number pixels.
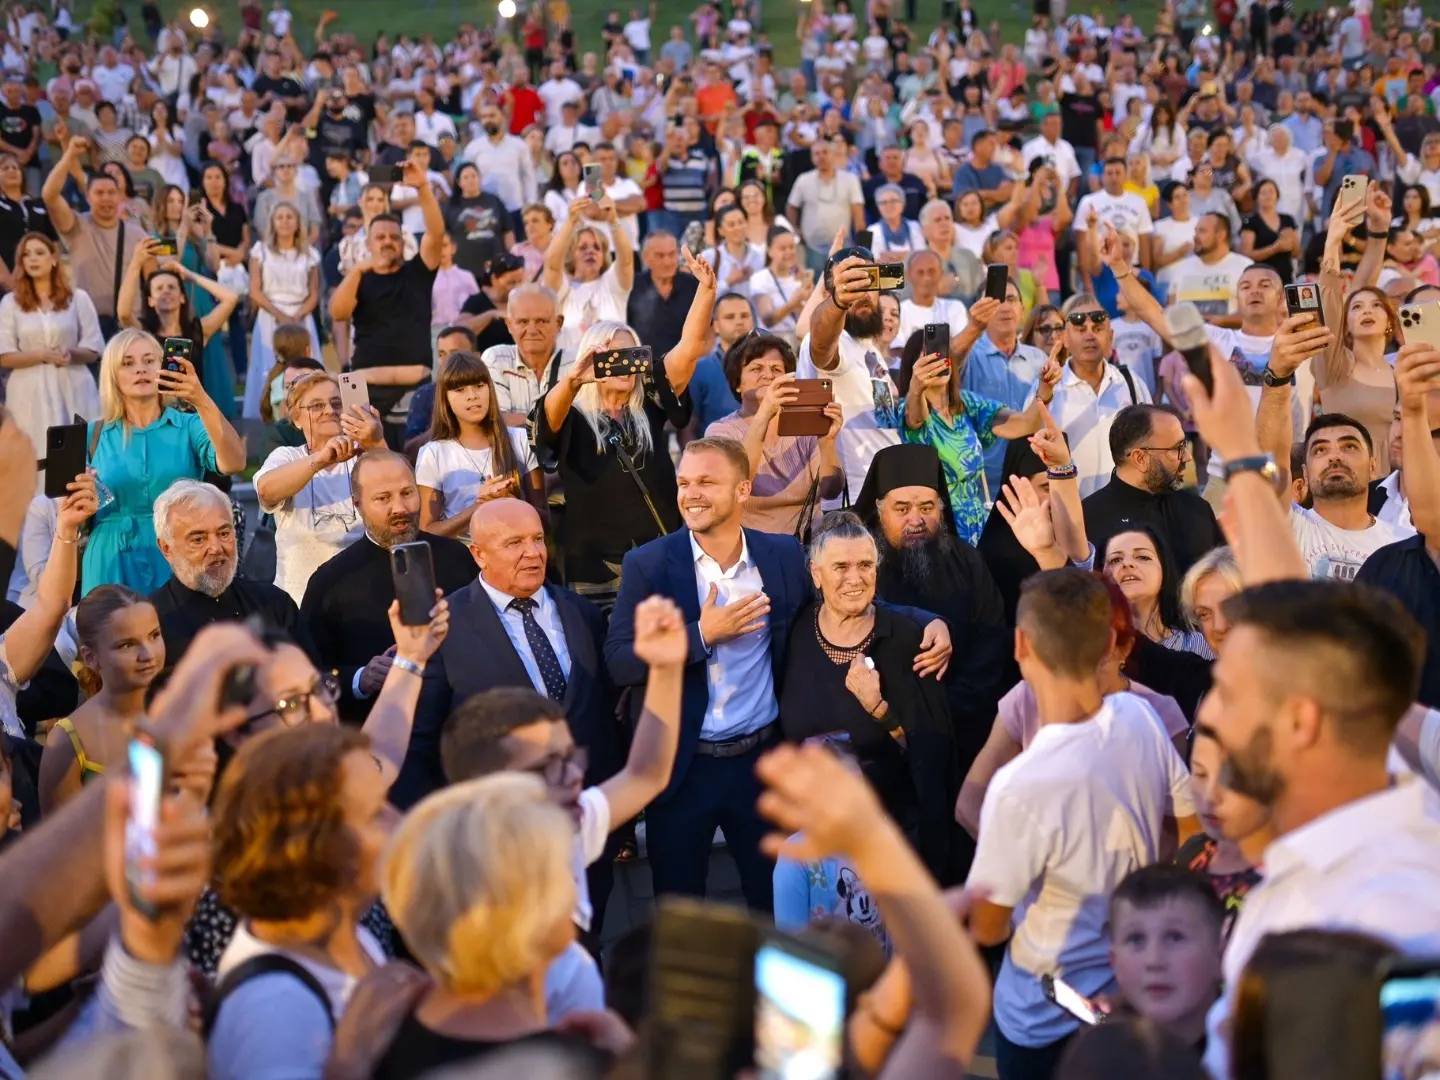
[
  {"x": 217, "y": 374},
  {"x": 136, "y": 465},
  {"x": 961, "y": 449}
]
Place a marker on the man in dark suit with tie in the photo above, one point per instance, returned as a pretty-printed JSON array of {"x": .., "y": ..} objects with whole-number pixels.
[
  {"x": 509, "y": 628},
  {"x": 739, "y": 589}
]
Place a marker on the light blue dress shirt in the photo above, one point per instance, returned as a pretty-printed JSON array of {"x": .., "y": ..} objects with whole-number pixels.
[{"x": 547, "y": 614}]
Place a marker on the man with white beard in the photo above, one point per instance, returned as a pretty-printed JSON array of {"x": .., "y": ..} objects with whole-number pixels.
[{"x": 195, "y": 529}]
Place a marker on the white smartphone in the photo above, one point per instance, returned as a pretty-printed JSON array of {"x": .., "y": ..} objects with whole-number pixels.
[
  {"x": 1421, "y": 322},
  {"x": 1352, "y": 190},
  {"x": 147, "y": 788},
  {"x": 1070, "y": 999},
  {"x": 354, "y": 390}
]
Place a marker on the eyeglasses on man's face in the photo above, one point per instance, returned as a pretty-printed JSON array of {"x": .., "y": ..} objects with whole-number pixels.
[
  {"x": 1181, "y": 448},
  {"x": 1097, "y": 318}
]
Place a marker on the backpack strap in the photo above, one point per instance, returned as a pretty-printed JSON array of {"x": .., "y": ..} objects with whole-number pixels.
[
  {"x": 1129, "y": 381},
  {"x": 272, "y": 963}
]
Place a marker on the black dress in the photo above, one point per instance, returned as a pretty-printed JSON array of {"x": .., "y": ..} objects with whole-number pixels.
[
  {"x": 606, "y": 513},
  {"x": 1281, "y": 262},
  {"x": 916, "y": 783}
]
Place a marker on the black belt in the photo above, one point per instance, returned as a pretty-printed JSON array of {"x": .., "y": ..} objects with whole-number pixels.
[{"x": 743, "y": 745}]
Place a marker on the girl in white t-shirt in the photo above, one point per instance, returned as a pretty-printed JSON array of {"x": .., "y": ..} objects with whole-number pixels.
[
  {"x": 972, "y": 225},
  {"x": 472, "y": 456}
]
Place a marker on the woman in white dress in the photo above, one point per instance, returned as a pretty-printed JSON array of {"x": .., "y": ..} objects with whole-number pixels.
[
  {"x": 165, "y": 147},
  {"x": 284, "y": 287},
  {"x": 307, "y": 487},
  {"x": 48, "y": 333},
  {"x": 781, "y": 289},
  {"x": 472, "y": 456}
]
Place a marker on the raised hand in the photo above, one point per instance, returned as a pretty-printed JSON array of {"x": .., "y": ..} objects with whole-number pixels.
[
  {"x": 1417, "y": 374},
  {"x": 419, "y": 643},
  {"x": 1225, "y": 419},
  {"x": 851, "y": 281},
  {"x": 1049, "y": 442},
  {"x": 931, "y": 370},
  {"x": 77, "y": 506},
  {"x": 702, "y": 271},
  {"x": 983, "y": 310},
  {"x": 1027, "y": 514},
  {"x": 778, "y": 394},
  {"x": 362, "y": 424},
  {"x": 660, "y": 638},
  {"x": 183, "y": 384},
  {"x": 1299, "y": 338}
]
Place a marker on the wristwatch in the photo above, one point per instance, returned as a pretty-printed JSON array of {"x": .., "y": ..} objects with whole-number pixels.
[
  {"x": 1264, "y": 464},
  {"x": 1268, "y": 378}
]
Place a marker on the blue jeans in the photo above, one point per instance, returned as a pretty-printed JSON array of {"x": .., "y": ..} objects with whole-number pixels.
[{"x": 1085, "y": 157}]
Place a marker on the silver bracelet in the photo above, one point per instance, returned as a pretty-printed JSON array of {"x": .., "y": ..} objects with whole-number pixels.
[{"x": 407, "y": 665}]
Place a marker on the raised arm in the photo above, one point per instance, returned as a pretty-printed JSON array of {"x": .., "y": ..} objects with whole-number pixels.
[
  {"x": 553, "y": 272},
  {"x": 1417, "y": 375},
  {"x": 1377, "y": 229},
  {"x": 434, "y": 236},
  {"x": 849, "y": 281},
  {"x": 1300, "y": 339},
  {"x": 393, "y": 715},
  {"x": 680, "y": 361},
  {"x": 660, "y": 643},
  {"x": 1143, "y": 305},
  {"x": 624, "y": 249},
  {"x": 1337, "y": 361},
  {"x": 128, "y": 298},
  {"x": 1067, "y": 516},
  {"x": 53, "y": 191},
  {"x": 346, "y": 295},
  {"x": 225, "y": 299}
]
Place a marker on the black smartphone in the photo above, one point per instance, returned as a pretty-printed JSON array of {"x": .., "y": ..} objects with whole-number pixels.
[
  {"x": 593, "y": 182},
  {"x": 616, "y": 362},
  {"x": 885, "y": 277},
  {"x": 165, "y": 247},
  {"x": 863, "y": 238},
  {"x": 64, "y": 457},
  {"x": 997, "y": 276},
  {"x": 412, "y": 567},
  {"x": 701, "y": 989},
  {"x": 384, "y": 174},
  {"x": 147, "y": 788},
  {"x": 1304, "y": 299},
  {"x": 177, "y": 349},
  {"x": 936, "y": 339}
]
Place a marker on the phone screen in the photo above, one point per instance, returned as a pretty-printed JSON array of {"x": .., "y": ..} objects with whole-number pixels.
[
  {"x": 147, "y": 787},
  {"x": 1410, "y": 1023},
  {"x": 799, "y": 1015},
  {"x": 1071, "y": 1000}
]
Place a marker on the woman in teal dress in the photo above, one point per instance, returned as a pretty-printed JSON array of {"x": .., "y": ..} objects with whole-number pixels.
[
  {"x": 960, "y": 424},
  {"x": 141, "y": 444}
]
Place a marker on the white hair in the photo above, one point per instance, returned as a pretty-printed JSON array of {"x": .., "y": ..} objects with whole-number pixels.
[
  {"x": 184, "y": 493},
  {"x": 587, "y": 398}
]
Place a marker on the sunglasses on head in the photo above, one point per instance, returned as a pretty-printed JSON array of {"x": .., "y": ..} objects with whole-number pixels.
[{"x": 1077, "y": 318}]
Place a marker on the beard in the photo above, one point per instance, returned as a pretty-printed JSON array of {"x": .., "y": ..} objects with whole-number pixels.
[
  {"x": 1250, "y": 770},
  {"x": 920, "y": 560},
  {"x": 862, "y": 325},
  {"x": 1342, "y": 484},
  {"x": 208, "y": 580},
  {"x": 1158, "y": 479},
  {"x": 396, "y": 530}
]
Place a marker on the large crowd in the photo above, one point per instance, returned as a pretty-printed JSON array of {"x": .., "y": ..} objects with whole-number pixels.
[{"x": 980, "y": 494}]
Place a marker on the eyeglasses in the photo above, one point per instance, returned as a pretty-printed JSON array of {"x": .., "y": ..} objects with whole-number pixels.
[
  {"x": 1050, "y": 328},
  {"x": 293, "y": 710},
  {"x": 1182, "y": 448},
  {"x": 553, "y": 767},
  {"x": 316, "y": 408},
  {"x": 1077, "y": 318}
]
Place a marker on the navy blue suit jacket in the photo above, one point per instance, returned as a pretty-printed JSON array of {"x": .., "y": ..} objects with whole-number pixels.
[
  {"x": 477, "y": 655},
  {"x": 667, "y": 566}
]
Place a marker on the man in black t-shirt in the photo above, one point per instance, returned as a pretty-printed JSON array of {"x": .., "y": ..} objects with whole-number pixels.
[
  {"x": 274, "y": 86},
  {"x": 481, "y": 228},
  {"x": 332, "y": 127},
  {"x": 386, "y": 298},
  {"x": 19, "y": 123},
  {"x": 487, "y": 307}
]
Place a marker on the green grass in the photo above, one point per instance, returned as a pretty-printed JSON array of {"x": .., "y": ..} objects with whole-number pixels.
[{"x": 366, "y": 18}]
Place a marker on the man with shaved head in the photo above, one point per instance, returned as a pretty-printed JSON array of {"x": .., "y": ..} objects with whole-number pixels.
[{"x": 508, "y": 628}]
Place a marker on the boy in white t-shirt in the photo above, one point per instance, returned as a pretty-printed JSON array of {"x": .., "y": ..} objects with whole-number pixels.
[{"x": 518, "y": 729}]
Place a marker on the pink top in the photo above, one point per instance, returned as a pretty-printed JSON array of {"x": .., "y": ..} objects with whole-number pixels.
[
  {"x": 1019, "y": 716},
  {"x": 1037, "y": 252},
  {"x": 452, "y": 287}
]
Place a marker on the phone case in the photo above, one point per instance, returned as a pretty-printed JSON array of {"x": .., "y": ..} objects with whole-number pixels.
[
  {"x": 632, "y": 361},
  {"x": 997, "y": 276},
  {"x": 354, "y": 390},
  {"x": 64, "y": 457},
  {"x": 936, "y": 339},
  {"x": 175, "y": 347},
  {"x": 412, "y": 566},
  {"x": 1421, "y": 322},
  {"x": 1304, "y": 297}
]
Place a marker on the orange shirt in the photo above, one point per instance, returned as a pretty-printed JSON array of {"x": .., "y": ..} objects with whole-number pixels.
[{"x": 712, "y": 100}]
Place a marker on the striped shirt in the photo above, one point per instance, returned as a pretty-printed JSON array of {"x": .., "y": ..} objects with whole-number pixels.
[{"x": 683, "y": 183}]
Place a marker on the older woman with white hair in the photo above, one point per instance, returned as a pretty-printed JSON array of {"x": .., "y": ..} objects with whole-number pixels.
[
  {"x": 141, "y": 445},
  {"x": 590, "y": 285},
  {"x": 478, "y": 879},
  {"x": 893, "y": 233},
  {"x": 607, "y": 434}
]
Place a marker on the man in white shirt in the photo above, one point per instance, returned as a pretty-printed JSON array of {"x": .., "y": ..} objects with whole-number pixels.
[
  {"x": 1113, "y": 205},
  {"x": 562, "y": 136},
  {"x": 556, "y": 90},
  {"x": 1050, "y": 144},
  {"x": 1091, "y": 391},
  {"x": 504, "y": 161},
  {"x": 1308, "y": 691},
  {"x": 923, "y": 272},
  {"x": 1280, "y": 160},
  {"x": 1209, "y": 278},
  {"x": 846, "y": 345},
  {"x": 1065, "y": 822},
  {"x": 823, "y": 201}
]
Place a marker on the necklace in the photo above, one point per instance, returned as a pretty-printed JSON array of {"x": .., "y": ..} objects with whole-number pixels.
[{"x": 841, "y": 655}]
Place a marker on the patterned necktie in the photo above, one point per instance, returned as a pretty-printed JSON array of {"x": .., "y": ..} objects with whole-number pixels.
[{"x": 540, "y": 646}]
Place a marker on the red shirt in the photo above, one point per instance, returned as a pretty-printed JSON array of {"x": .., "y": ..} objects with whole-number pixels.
[{"x": 526, "y": 106}]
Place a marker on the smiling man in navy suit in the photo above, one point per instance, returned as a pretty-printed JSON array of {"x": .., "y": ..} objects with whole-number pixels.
[{"x": 739, "y": 590}]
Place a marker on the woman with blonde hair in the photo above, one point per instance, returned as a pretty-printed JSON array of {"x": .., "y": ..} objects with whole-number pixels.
[
  {"x": 608, "y": 439},
  {"x": 307, "y": 487},
  {"x": 1211, "y": 580},
  {"x": 300, "y": 823},
  {"x": 590, "y": 286},
  {"x": 284, "y": 287},
  {"x": 472, "y": 456},
  {"x": 140, "y": 445},
  {"x": 478, "y": 879},
  {"x": 48, "y": 333}
]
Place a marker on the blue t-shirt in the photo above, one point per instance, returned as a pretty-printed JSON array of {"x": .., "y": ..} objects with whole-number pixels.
[
  {"x": 710, "y": 394},
  {"x": 829, "y": 888}
]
